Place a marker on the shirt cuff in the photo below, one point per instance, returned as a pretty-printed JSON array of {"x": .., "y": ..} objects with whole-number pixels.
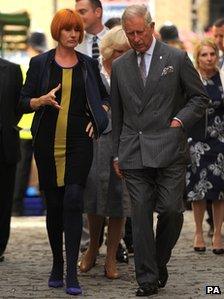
[
  {"x": 115, "y": 159},
  {"x": 176, "y": 118}
]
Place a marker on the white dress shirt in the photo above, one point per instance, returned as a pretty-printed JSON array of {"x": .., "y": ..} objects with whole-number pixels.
[{"x": 86, "y": 46}]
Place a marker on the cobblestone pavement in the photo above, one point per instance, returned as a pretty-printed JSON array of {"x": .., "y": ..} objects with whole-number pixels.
[{"x": 24, "y": 273}]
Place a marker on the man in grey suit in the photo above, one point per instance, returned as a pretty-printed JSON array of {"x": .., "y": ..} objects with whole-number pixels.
[{"x": 156, "y": 96}]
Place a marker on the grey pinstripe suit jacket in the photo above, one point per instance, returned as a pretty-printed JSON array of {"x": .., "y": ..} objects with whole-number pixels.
[{"x": 141, "y": 116}]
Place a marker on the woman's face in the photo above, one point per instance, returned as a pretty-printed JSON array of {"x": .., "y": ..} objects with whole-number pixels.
[
  {"x": 69, "y": 38},
  {"x": 207, "y": 59}
]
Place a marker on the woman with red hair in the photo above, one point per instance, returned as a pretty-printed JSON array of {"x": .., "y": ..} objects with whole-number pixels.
[{"x": 65, "y": 90}]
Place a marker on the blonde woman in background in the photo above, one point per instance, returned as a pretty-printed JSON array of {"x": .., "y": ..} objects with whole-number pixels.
[
  {"x": 105, "y": 195},
  {"x": 205, "y": 178}
]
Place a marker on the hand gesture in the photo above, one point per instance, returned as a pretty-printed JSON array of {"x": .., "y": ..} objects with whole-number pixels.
[
  {"x": 47, "y": 99},
  {"x": 50, "y": 98}
]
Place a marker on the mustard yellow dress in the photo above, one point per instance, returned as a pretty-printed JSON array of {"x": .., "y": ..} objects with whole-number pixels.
[{"x": 63, "y": 150}]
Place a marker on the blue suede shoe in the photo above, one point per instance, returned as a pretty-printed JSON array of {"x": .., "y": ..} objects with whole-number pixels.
[
  {"x": 55, "y": 283},
  {"x": 74, "y": 291},
  {"x": 56, "y": 277}
]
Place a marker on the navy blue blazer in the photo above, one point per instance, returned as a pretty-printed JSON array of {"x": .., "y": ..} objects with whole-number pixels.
[{"x": 37, "y": 82}]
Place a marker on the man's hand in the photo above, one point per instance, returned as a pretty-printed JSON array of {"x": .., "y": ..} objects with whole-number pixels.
[
  {"x": 117, "y": 169},
  {"x": 47, "y": 99},
  {"x": 89, "y": 129},
  {"x": 175, "y": 123}
]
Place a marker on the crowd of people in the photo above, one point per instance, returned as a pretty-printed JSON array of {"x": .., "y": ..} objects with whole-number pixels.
[{"x": 123, "y": 125}]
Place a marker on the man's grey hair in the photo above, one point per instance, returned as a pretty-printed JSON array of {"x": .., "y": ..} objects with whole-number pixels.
[{"x": 136, "y": 10}]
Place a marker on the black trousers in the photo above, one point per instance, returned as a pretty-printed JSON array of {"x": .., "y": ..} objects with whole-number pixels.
[
  {"x": 159, "y": 190},
  {"x": 7, "y": 181},
  {"x": 23, "y": 172}
]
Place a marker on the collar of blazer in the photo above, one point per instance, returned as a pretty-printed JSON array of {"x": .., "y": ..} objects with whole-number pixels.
[
  {"x": 51, "y": 55},
  {"x": 158, "y": 62}
]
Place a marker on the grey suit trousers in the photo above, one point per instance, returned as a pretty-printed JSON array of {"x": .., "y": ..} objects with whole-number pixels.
[{"x": 160, "y": 190}]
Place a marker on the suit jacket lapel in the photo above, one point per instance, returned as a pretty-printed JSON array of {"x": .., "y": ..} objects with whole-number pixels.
[
  {"x": 158, "y": 63},
  {"x": 134, "y": 78}
]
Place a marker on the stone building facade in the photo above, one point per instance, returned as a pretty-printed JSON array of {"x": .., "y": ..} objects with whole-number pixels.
[{"x": 178, "y": 12}]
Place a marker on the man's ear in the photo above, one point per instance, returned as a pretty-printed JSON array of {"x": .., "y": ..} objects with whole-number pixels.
[{"x": 99, "y": 12}]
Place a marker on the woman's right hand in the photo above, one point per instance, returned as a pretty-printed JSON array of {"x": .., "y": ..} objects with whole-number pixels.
[{"x": 47, "y": 99}]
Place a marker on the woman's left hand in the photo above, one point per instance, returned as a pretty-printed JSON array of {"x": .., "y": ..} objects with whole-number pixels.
[{"x": 89, "y": 129}]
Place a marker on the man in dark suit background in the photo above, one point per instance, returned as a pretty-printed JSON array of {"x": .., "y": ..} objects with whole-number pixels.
[
  {"x": 218, "y": 35},
  {"x": 10, "y": 85},
  {"x": 156, "y": 96}
]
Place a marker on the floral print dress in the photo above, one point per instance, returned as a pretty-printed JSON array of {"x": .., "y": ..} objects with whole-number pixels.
[{"x": 205, "y": 176}]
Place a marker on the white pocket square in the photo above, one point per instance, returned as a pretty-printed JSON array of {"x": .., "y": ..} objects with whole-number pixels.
[{"x": 167, "y": 70}]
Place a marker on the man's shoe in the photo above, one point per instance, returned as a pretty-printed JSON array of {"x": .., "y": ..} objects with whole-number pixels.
[
  {"x": 122, "y": 254},
  {"x": 146, "y": 290},
  {"x": 163, "y": 277}
]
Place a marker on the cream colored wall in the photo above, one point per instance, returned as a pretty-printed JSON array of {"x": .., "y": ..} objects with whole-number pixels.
[
  {"x": 176, "y": 11},
  {"x": 203, "y": 14},
  {"x": 41, "y": 12}
]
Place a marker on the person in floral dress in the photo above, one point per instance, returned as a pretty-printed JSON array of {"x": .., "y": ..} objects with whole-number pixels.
[{"x": 205, "y": 176}]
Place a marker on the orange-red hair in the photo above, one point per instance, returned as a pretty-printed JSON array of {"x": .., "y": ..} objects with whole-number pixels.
[{"x": 66, "y": 19}]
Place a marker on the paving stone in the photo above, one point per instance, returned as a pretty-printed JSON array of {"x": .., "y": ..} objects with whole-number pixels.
[{"x": 24, "y": 273}]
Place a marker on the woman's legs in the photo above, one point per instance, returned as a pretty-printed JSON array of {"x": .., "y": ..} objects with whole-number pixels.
[
  {"x": 218, "y": 214},
  {"x": 199, "y": 211},
  {"x": 54, "y": 222},
  {"x": 95, "y": 227},
  {"x": 72, "y": 215},
  {"x": 115, "y": 226}
]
